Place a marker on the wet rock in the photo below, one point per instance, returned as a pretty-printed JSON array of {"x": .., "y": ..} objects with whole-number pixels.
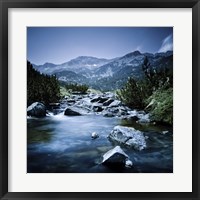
[
  {"x": 36, "y": 109},
  {"x": 99, "y": 99},
  {"x": 128, "y": 136},
  {"x": 122, "y": 111},
  {"x": 94, "y": 135},
  {"x": 143, "y": 118},
  {"x": 54, "y": 105},
  {"x": 141, "y": 112},
  {"x": 91, "y": 95},
  {"x": 165, "y": 132},
  {"x": 128, "y": 163},
  {"x": 85, "y": 103},
  {"x": 139, "y": 116},
  {"x": 97, "y": 108},
  {"x": 115, "y": 111},
  {"x": 109, "y": 95},
  {"x": 72, "y": 112},
  {"x": 115, "y": 103},
  {"x": 103, "y": 99},
  {"x": 108, "y": 114},
  {"x": 108, "y": 102},
  {"x": 115, "y": 157},
  {"x": 76, "y": 111},
  {"x": 55, "y": 108},
  {"x": 71, "y": 100},
  {"x": 135, "y": 118},
  {"x": 95, "y": 99},
  {"x": 133, "y": 113},
  {"x": 78, "y": 93}
]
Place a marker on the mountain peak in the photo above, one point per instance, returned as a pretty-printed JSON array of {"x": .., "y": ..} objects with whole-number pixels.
[
  {"x": 48, "y": 64},
  {"x": 165, "y": 54},
  {"x": 134, "y": 53},
  {"x": 85, "y": 57}
]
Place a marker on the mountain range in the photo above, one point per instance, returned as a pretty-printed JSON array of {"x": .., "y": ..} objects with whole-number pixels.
[{"x": 106, "y": 74}]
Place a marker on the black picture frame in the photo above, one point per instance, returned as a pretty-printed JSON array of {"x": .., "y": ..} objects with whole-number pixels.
[{"x": 4, "y": 82}]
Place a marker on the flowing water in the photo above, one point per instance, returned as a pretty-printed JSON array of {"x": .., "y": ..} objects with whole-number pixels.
[{"x": 63, "y": 144}]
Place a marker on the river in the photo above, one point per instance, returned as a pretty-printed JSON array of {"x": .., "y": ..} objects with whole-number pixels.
[{"x": 63, "y": 144}]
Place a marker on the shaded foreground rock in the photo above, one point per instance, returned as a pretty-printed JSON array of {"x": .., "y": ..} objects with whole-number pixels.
[
  {"x": 115, "y": 157},
  {"x": 36, "y": 109},
  {"x": 128, "y": 136}
]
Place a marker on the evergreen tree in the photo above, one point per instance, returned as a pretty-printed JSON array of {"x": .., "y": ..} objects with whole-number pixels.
[
  {"x": 40, "y": 87},
  {"x": 153, "y": 93},
  {"x": 132, "y": 94}
]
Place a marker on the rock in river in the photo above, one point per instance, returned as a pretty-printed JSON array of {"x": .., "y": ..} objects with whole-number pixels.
[
  {"x": 72, "y": 112},
  {"x": 108, "y": 102},
  {"x": 115, "y": 103},
  {"x": 36, "y": 109},
  {"x": 99, "y": 99},
  {"x": 115, "y": 157},
  {"x": 128, "y": 164},
  {"x": 76, "y": 111},
  {"x": 97, "y": 107},
  {"x": 128, "y": 136},
  {"x": 94, "y": 135}
]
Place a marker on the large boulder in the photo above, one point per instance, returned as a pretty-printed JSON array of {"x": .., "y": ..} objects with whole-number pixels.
[
  {"x": 115, "y": 157},
  {"x": 128, "y": 136},
  {"x": 36, "y": 109}
]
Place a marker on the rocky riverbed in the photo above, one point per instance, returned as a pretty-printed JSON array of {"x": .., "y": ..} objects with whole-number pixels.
[{"x": 96, "y": 133}]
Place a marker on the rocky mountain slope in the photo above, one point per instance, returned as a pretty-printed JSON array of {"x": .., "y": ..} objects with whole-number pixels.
[{"x": 105, "y": 74}]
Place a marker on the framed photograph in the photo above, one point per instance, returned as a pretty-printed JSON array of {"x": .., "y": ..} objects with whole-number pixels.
[{"x": 99, "y": 99}]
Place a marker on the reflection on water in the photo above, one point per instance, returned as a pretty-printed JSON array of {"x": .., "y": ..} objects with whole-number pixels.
[{"x": 63, "y": 144}]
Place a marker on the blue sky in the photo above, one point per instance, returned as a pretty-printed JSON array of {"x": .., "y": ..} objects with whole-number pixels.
[{"x": 60, "y": 44}]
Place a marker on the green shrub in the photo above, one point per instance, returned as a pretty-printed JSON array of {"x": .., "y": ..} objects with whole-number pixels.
[
  {"x": 134, "y": 93},
  {"x": 76, "y": 88},
  {"x": 160, "y": 106},
  {"x": 154, "y": 91}
]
